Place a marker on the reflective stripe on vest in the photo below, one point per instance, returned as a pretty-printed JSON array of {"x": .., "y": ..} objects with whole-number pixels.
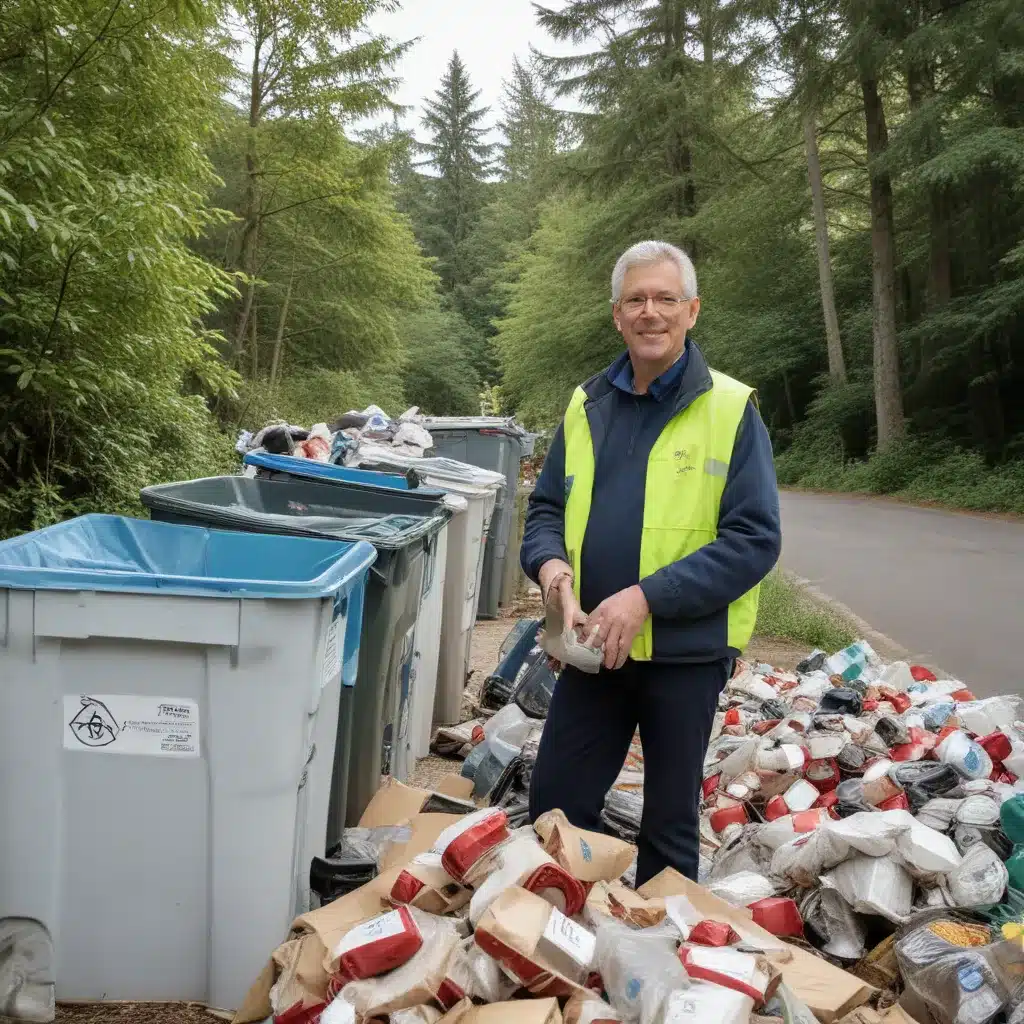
[{"x": 686, "y": 474}]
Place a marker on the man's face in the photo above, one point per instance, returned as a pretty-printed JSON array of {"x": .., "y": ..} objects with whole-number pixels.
[{"x": 652, "y": 315}]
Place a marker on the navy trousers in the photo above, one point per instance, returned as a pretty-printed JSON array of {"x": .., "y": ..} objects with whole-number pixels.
[{"x": 587, "y": 736}]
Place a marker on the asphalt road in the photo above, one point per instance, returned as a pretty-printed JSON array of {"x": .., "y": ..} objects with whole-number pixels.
[{"x": 948, "y": 587}]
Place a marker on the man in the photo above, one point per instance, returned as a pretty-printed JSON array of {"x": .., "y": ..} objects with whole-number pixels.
[{"x": 654, "y": 520}]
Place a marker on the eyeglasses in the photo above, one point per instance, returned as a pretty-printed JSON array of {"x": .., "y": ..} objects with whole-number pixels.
[{"x": 666, "y": 305}]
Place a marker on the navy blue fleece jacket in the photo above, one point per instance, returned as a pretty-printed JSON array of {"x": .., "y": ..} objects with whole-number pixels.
[{"x": 689, "y": 599}]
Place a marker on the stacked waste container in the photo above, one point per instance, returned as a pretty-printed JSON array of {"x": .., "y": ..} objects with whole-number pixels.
[{"x": 260, "y": 651}]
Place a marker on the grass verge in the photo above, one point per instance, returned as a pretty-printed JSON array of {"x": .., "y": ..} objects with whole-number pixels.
[{"x": 788, "y": 612}]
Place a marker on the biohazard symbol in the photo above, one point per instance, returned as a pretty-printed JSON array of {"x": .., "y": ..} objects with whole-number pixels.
[{"x": 94, "y": 725}]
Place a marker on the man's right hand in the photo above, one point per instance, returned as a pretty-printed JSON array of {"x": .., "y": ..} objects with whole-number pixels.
[{"x": 556, "y": 580}]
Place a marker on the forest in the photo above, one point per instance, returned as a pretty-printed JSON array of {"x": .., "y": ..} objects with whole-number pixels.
[{"x": 199, "y": 234}]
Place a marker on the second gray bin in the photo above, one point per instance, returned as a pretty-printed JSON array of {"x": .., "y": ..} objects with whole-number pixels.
[{"x": 496, "y": 444}]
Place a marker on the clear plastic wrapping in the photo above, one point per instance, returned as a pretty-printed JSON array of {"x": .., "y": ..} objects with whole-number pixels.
[{"x": 640, "y": 968}]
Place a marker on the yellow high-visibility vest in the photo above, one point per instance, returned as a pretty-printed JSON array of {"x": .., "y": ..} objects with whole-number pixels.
[{"x": 686, "y": 475}]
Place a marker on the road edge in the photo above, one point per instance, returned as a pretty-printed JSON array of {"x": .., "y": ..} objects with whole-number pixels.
[{"x": 884, "y": 645}]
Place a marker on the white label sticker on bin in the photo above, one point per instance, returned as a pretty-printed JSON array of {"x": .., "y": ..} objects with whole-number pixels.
[
  {"x": 332, "y": 652},
  {"x": 123, "y": 724},
  {"x": 570, "y": 937}
]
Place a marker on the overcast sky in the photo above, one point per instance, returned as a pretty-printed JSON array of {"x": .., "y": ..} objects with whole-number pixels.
[{"x": 486, "y": 34}]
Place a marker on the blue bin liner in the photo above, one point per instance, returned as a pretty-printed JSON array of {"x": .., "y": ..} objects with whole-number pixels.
[
  {"x": 327, "y": 472},
  {"x": 101, "y": 552},
  {"x": 115, "y": 553}
]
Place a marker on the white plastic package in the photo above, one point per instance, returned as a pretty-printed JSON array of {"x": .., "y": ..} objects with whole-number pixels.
[
  {"x": 939, "y": 813},
  {"x": 589, "y": 1008},
  {"x": 522, "y": 861},
  {"x": 984, "y": 717},
  {"x": 979, "y": 880},
  {"x": 418, "y": 981},
  {"x": 378, "y": 945},
  {"x": 703, "y": 1002},
  {"x": 475, "y": 975},
  {"x": 743, "y": 888},
  {"x": 924, "y": 851},
  {"x": 463, "y": 843},
  {"x": 639, "y": 967},
  {"x": 978, "y": 810},
  {"x": 339, "y": 1011},
  {"x": 970, "y": 759},
  {"x": 730, "y": 968},
  {"x": 874, "y": 885},
  {"x": 785, "y": 829},
  {"x": 842, "y": 932}
]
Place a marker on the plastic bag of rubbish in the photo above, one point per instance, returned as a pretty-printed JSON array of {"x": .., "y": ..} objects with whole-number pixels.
[
  {"x": 951, "y": 964},
  {"x": 622, "y": 813},
  {"x": 743, "y": 853},
  {"x": 984, "y": 717},
  {"x": 474, "y": 974},
  {"x": 873, "y": 885},
  {"x": 979, "y": 880},
  {"x": 858, "y": 661},
  {"x": 743, "y": 888},
  {"x": 535, "y": 689},
  {"x": 833, "y": 920},
  {"x": 639, "y": 968}
]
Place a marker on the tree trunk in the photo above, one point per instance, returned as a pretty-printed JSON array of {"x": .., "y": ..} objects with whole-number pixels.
[
  {"x": 252, "y": 201},
  {"x": 275, "y": 364},
  {"x": 836, "y": 363},
  {"x": 254, "y": 341},
  {"x": 790, "y": 406},
  {"x": 888, "y": 394},
  {"x": 939, "y": 291}
]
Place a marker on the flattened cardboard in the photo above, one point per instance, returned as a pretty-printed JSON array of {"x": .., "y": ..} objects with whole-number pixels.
[
  {"x": 587, "y": 856},
  {"x": 393, "y": 804},
  {"x": 456, "y": 786},
  {"x": 256, "y": 1006},
  {"x": 613, "y": 899},
  {"x": 425, "y": 830},
  {"x": 829, "y": 992}
]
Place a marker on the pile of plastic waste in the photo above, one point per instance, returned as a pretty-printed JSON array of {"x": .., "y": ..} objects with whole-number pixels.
[
  {"x": 468, "y": 919},
  {"x": 332, "y": 442},
  {"x": 871, "y": 811}
]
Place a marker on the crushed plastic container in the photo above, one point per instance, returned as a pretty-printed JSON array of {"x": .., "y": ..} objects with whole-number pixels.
[
  {"x": 375, "y": 712},
  {"x": 168, "y": 718}
]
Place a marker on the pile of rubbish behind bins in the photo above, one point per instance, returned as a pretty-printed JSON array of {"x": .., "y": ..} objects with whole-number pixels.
[
  {"x": 871, "y": 811},
  {"x": 331, "y": 442}
]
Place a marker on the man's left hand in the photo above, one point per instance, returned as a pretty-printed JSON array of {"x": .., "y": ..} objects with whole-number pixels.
[{"x": 617, "y": 620}]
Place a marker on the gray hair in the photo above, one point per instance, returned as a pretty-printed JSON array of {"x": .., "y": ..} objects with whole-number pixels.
[{"x": 646, "y": 254}]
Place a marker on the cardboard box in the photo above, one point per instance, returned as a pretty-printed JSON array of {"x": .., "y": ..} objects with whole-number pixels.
[
  {"x": 396, "y": 803},
  {"x": 830, "y": 993},
  {"x": 545, "y": 950}
]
